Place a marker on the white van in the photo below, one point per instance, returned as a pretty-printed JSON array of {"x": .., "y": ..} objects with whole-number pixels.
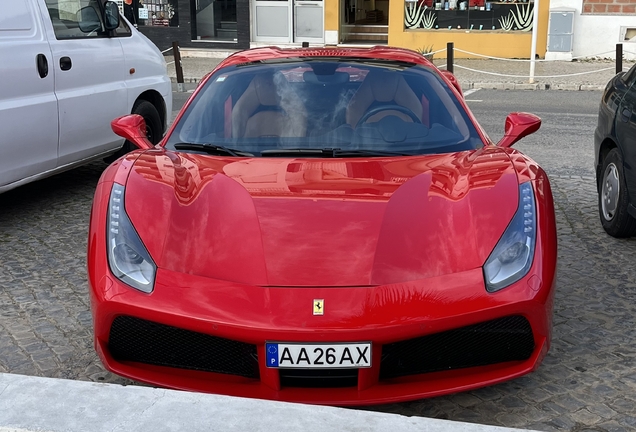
[{"x": 67, "y": 69}]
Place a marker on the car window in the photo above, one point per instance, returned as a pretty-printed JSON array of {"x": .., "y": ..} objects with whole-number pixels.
[
  {"x": 123, "y": 30},
  {"x": 76, "y": 19},
  {"x": 347, "y": 105},
  {"x": 630, "y": 76}
]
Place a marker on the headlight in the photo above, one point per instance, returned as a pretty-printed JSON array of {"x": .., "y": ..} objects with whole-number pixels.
[
  {"x": 512, "y": 257},
  {"x": 127, "y": 256}
]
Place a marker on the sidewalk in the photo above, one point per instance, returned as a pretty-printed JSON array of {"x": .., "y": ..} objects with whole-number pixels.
[
  {"x": 29, "y": 404},
  {"x": 494, "y": 74}
]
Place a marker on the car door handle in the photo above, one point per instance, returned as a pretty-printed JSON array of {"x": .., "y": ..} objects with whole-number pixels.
[
  {"x": 626, "y": 114},
  {"x": 66, "y": 63},
  {"x": 43, "y": 65}
]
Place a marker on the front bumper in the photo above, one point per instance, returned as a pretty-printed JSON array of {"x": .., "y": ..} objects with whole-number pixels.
[{"x": 384, "y": 315}]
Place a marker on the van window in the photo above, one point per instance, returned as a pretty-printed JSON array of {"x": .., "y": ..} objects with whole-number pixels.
[
  {"x": 76, "y": 19},
  {"x": 123, "y": 30}
]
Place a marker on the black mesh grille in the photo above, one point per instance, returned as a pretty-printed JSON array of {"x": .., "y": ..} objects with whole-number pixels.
[
  {"x": 496, "y": 341},
  {"x": 134, "y": 339},
  {"x": 318, "y": 378}
]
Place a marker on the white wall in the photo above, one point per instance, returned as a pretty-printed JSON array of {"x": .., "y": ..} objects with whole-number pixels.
[{"x": 595, "y": 34}]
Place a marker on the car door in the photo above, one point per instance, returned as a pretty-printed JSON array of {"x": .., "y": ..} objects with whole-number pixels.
[
  {"x": 28, "y": 107},
  {"x": 89, "y": 79},
  {"x": 626, "y": 135}
]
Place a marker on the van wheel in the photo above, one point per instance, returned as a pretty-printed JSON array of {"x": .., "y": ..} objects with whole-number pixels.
[
  {"x": 612, "y": 198},
  {"x": 154, "y": 128}
]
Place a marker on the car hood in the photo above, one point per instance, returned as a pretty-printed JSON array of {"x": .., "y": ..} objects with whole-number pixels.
[{"x": 321, "y": 222}]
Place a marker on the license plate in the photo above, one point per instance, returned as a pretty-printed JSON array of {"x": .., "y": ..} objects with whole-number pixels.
[{"x": 318, "y": 356}]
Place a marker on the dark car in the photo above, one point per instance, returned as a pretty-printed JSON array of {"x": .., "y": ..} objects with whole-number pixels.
[{"x": 615, "y": 156}]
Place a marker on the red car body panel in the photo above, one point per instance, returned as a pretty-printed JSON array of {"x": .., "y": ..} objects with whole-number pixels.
[
  {"x": 244, "y": 245},
  {"x": 295, "y": 222}
]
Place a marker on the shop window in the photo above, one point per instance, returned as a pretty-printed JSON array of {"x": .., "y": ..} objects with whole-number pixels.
[
  {"x": 474, "y": 15},
  {"x": 152, "y": 13}
]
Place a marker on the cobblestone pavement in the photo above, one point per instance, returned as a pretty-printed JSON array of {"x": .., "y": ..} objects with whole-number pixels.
[{"x": 586, "y": 383}]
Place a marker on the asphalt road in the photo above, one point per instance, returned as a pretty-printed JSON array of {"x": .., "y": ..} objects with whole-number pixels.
[
  {"x": 586, "y": 383},
  {"x": 564, "y": 144}
]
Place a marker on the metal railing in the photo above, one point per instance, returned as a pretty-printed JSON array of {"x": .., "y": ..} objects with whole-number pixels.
[{"x": 450, "y": 63}]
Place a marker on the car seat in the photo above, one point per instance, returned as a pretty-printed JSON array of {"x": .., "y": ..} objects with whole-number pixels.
[
  {"x": 269, "y": 107},
  {"x": 383, "y": 88}
]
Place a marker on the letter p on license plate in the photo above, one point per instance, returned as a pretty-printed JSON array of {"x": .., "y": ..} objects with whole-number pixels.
[{"x": 318, "y": 356}]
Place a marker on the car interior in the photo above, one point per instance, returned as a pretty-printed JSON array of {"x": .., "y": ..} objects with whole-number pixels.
[{"x": 325, "y": 104}]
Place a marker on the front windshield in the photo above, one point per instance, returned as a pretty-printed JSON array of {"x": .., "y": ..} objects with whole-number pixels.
[{"x": 325, "y": 107}]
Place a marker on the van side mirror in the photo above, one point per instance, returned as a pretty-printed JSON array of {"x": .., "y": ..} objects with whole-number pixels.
[
  {"x": 111, "y": 15},
  {"x": 133, "y": 128},
  {"x": 88, "y": 20},
  {"x": 519, "y": 125}
]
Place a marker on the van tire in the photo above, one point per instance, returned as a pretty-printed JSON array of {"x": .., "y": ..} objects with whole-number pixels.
[{"x": 154, "y": 128}]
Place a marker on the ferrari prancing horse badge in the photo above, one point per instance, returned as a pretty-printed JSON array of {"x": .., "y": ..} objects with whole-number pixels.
[{"x": 319, "y": 306}]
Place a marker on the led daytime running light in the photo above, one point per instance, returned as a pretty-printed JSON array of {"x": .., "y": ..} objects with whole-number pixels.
[
  {"x": 512, "y": 257},
  {"x": 128, "y": 258}
]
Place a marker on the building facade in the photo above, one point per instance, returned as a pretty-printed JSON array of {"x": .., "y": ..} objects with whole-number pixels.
[
  {"x": 500, "y": 29},
  {"x": 598, "y": 25}
]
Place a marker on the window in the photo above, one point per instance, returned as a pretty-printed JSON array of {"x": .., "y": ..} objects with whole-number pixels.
[
  {"x": 73, "y": 19},
  {"x": 475, "y": 15}
]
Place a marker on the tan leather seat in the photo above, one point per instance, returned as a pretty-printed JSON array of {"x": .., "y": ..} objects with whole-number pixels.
[
  {"x": 383, "y": 87},
  {"x": 269, "y": 107}
]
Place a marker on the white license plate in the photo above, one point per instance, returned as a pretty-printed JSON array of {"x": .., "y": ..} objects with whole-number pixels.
[{"x": 318, "y": 356}]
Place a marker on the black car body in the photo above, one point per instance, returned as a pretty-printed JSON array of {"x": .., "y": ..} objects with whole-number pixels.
[{"x": 615, "y": 155}]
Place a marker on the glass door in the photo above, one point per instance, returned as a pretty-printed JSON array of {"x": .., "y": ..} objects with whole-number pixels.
[
  {"x": 272, "y": 21},
  {"x": 308, "y": 21}
]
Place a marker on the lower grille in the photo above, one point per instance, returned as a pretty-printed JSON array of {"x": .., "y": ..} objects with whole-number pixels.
[
  {"x": 137, "y": 340},
  {"x": 496, "y": 341},
  {"x": 318, "y": 378}
]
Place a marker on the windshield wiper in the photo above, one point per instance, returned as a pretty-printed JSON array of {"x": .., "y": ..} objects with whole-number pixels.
[
  {"x": 327, "y": 152},
  {"x": 363, "y": 152},
  {"x": 212, "y": 148}
]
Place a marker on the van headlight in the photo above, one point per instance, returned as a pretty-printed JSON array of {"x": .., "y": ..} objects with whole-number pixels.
[
  {"x": 512, "y": 258},
  {"x": 128, "y": 258}
]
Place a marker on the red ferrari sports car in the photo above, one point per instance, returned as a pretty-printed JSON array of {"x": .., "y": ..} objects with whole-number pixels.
[{"x": 328, "y": 226}]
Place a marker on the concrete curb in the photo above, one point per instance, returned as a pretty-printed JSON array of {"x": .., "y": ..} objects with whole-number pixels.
[{"x": 56, "y": 405}]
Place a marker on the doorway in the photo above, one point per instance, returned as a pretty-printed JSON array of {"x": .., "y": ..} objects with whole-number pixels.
[
  {"x": 364, "y": 22},
  {"x": 215, "y": 20}
]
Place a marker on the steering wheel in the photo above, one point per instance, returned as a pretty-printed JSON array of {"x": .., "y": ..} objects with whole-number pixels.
[{"x": 392, "y": 107}]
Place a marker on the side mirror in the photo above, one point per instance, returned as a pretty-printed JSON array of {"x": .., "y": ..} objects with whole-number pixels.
[
  {"x": 111, "y": 15},
  {"x": 133, "y": 128},
  {"x": 88, "y": 20},
  {"x": 519, "y": 125},
  {"x": 453, "y": 79}
]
